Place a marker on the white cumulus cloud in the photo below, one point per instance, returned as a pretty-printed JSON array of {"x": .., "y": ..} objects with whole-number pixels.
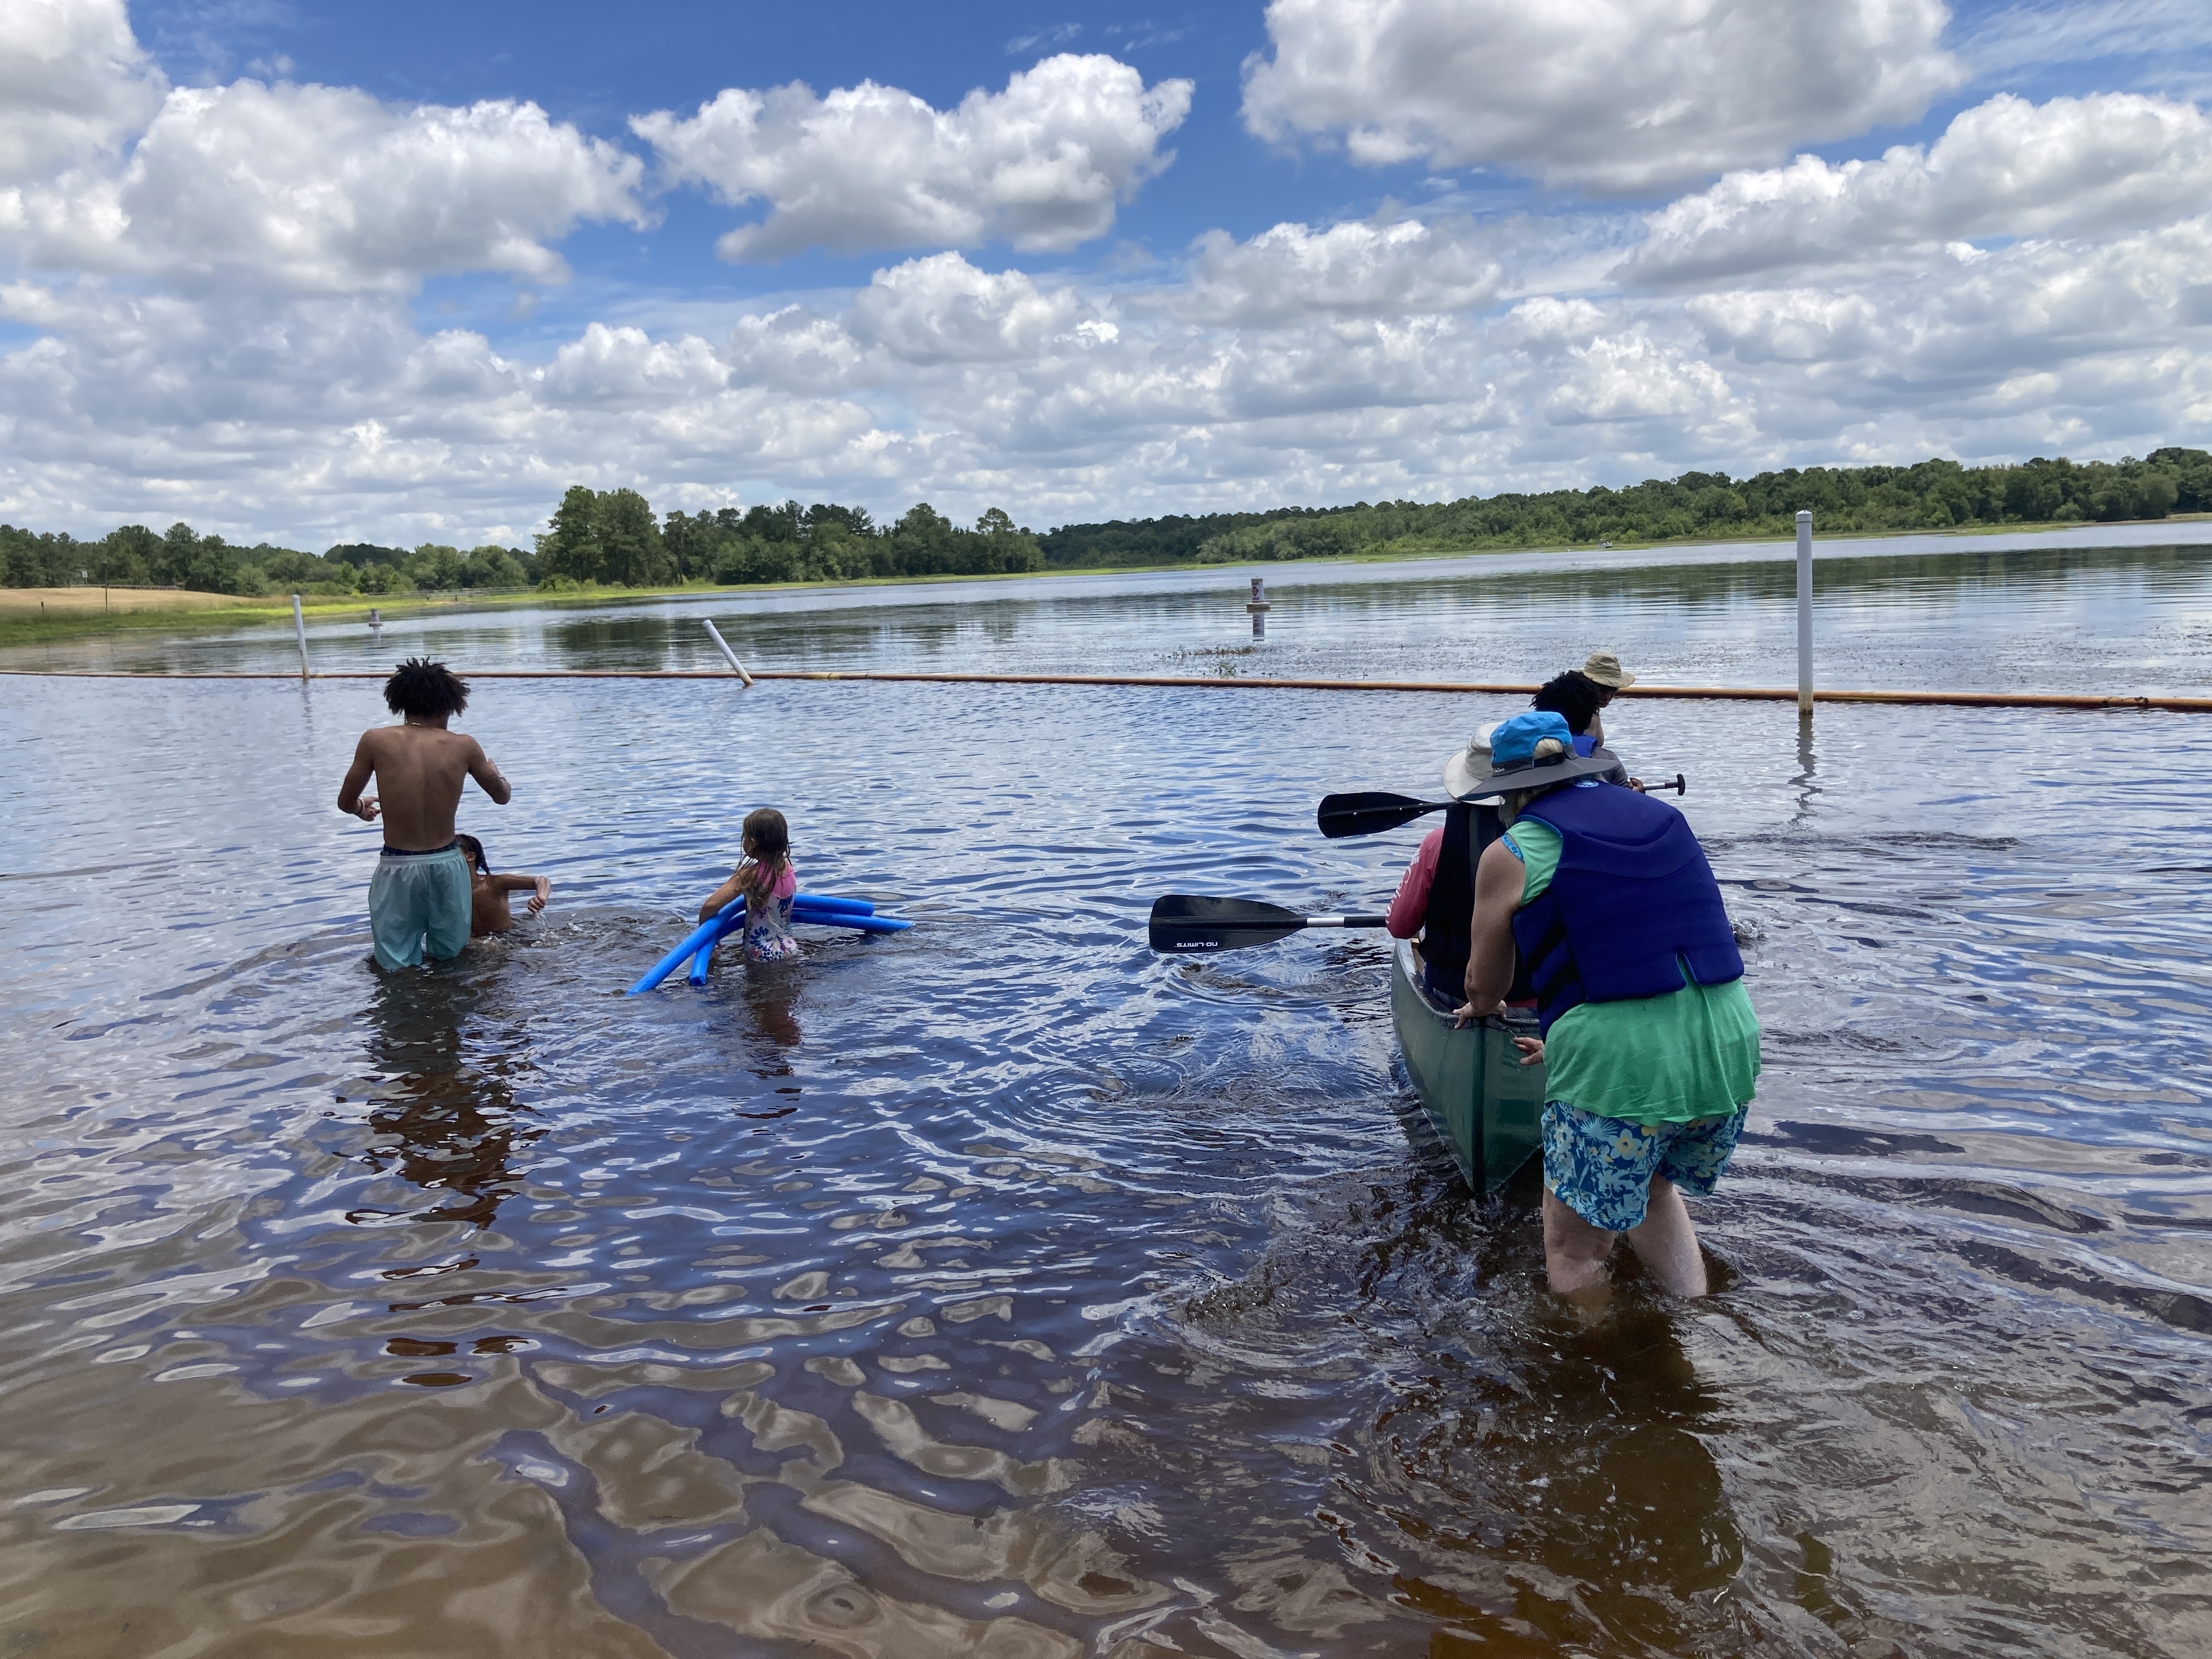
[
  {"x": 943, "y": 309},
  {"x": 2106, "y": 162},
  {"x": 1615, "y": 95},
  {"x": 73, "y": 84},
  {"x": 1357, "y": 268},
  {"x": 1042, "y": 165},
  {"x": 328, "y": 189}
]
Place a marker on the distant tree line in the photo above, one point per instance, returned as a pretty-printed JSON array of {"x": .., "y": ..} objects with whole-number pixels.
[
  {"x": 610, "y": 538},
  {"x": 135, "y": 556},
  {"x": 1700, "y": 506},
  {"x": 1176, "y": 539}
]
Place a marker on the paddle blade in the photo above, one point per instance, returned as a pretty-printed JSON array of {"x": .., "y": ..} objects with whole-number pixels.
[
  {"x": 1186, "y": 921},
  {"x": 1369, "y": 812}
]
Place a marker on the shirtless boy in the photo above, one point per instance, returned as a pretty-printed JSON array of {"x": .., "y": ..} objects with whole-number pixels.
[
  {"x": 488, "y": 892},
  {"x": 419, "y": 899}
]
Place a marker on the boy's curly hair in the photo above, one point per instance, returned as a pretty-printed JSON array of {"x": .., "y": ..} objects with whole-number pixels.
[
  {"x": 1571, "y": 696},
  {"x": 425, "y": 689}
]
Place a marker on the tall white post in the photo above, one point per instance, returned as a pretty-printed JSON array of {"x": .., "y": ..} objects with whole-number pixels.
[
  {"x": 1805, "y": 616},
  {"x": 299, "y": 623},
  {"x": 723, "y": 646}
]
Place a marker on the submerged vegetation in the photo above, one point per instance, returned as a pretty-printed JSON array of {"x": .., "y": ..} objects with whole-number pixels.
[{"x": 612, "y": 539}]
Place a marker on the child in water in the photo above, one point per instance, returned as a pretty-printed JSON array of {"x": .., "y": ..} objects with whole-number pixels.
[
  {"x": 488, "y": 911},
  {"x": 768, "y": 884}
]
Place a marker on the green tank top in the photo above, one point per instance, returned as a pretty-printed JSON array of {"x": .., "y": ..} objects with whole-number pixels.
[{"x": 1690, "y": 1053}]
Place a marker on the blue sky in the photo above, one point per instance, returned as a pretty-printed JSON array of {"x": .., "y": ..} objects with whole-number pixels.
[{"x": 402, "y": 272}]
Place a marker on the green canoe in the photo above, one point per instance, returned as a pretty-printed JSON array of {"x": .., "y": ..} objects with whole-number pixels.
[{"x": 1482, "y": 1102}]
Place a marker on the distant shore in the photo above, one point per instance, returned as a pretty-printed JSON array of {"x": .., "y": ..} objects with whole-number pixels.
[{"x": 36, "y": 616}]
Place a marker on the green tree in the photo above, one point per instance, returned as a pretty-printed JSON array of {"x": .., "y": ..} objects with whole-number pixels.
[
  {"x": 435, "y": 568},
  {"x": 173, "y": 563},
  {"x": 630, "y": 548},
  {"x": 493, "y": 567},
  {"x": 1005, "y": 547},
  {"x": 125, "y": 554},
  {"x": 384, "y": 579},
  {"x": 571, "y": 547}
]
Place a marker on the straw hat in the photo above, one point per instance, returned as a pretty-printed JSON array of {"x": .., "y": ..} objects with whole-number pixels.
[{"x": 1605, "y": 668}]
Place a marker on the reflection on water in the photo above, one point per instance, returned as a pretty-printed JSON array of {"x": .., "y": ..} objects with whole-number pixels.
[
  {"x": 1807, "y": 781},
  {"x": 2047, "y": 616},
  {"x": 445, "y": 1126},
  {"x": 998, "y": 1288}
]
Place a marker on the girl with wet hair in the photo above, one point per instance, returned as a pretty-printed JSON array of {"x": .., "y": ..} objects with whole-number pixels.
[
  {"x": 488, "y": 911},
  {"x": 421, "y": 689},
  {"x": 767, "y": 884}
]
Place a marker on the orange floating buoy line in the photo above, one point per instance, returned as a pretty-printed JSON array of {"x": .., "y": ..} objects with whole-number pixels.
[{"x": 1213, "y": 683}]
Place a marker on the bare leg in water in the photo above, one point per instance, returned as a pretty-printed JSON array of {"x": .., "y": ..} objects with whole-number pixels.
[{"x": 1574, "y": 1252}]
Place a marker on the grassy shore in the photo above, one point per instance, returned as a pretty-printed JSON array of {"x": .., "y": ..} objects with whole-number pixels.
[{"x": 35, "y": 616}]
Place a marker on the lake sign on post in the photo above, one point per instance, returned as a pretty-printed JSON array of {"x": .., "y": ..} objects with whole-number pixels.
[{"x": 1259, "y": 607}]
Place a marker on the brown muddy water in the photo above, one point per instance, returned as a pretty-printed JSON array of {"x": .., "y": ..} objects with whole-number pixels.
[{"x": 1001, "y": 1289}]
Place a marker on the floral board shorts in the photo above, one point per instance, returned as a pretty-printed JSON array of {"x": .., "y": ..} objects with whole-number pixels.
[{"x": 1601, "y": 1168}]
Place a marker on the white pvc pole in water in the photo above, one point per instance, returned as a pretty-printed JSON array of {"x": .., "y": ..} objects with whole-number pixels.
[
  {"x": 723, "y": 646},
  {"x": 1805, "y": 616},
  {"x": 300, "y": 622}
]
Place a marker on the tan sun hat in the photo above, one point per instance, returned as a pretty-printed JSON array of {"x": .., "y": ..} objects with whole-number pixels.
[
  {"x": 1467, "y": 764},
  {"x": 1605, "y": 668}
]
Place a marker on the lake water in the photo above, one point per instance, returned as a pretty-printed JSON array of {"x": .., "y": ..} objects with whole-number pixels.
[{"x": 998, "y": 1288}]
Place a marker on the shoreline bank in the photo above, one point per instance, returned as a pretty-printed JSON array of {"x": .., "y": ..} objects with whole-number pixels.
[{"x": 55, "y": 616}]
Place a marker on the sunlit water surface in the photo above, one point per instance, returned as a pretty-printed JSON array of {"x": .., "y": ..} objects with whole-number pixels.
[{"x": 998, "y": 1288}]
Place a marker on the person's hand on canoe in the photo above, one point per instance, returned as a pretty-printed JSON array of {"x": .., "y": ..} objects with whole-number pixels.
[{"x": 1532, "y": 1050}]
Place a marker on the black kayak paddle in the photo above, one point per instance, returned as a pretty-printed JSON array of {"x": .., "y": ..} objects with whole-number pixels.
[
  {"x": 1187, "y": 921},
  {"x": 1372, "y": 811}
]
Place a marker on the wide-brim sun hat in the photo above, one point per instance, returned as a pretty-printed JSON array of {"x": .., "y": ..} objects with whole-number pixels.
[
  {"x": 1464, "y": 766},
  {"x": 1604, "y": 667},
  {"x": 1501, "y": 757}
]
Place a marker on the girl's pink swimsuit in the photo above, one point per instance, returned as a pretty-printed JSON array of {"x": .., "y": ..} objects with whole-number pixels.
[{"x": 767, "y": 920}]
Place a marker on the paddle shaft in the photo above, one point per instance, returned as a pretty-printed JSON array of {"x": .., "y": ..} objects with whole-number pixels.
[{"x": 1372, "y": 813}]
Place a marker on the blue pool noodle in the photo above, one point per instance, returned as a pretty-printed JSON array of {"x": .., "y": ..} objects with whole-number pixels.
[{"x": 818, "y": 908}]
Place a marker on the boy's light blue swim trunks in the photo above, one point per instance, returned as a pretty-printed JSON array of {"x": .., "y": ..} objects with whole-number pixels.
[{"x": 419, "y": 900}]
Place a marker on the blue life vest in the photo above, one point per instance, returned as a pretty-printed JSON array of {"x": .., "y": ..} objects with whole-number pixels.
[
  {"x": 1585, "y": 746},
  {"x": 1632, "y": 904}
]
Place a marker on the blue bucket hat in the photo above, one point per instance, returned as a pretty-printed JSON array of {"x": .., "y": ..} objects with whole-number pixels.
[{"x": 1511, "y": 761}]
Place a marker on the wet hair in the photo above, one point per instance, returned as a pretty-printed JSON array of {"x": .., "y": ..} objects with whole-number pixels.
[
  {"x": 1572, "y": 697},
  {"x": 425, "y": 688},
  {"x": 768, "y": 843},
  {"x": 474, "y": 848}
]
